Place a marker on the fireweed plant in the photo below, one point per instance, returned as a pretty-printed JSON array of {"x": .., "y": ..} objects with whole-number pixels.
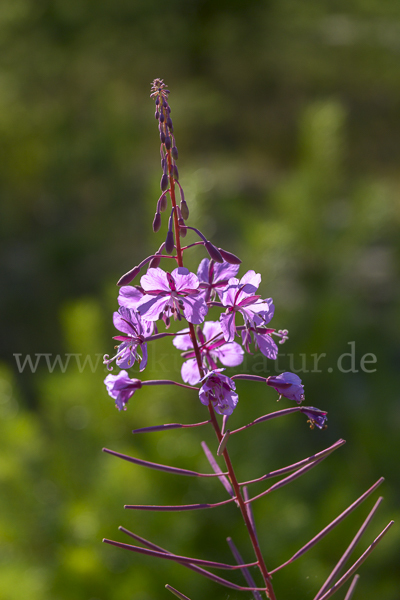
[{"x": 206, "y": 345}]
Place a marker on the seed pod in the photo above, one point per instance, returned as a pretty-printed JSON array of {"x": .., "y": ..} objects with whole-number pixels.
[
  {"x": 164, "y": 182},
  {"x": 129, "y": 276},
  {"x": 174, "y": 152},
  {"x": 229, "y": 257},
  {"x": 156, "y": 222},
  {"x": 169, "y": 242},
  {"x": 213, "y": 252}
]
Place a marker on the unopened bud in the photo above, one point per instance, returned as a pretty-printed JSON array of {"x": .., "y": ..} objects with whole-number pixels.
[
  {"x": 213, "y": 252},
  {"x": 164, "y": 182},
  {"x": 167, "y": 142},
  {"x": 157, "y": 114},
  {"x": 175, "y": 172},
  {"x": 169, "y": 242},
  {"x": 229, "y": 257},
  {"x": 156, "y": 222},
  {"x": 157, "y": 100},
  {"x": 162, "y": 117},
  {"x": 174, "y": 152},
  {"x": 169, "y": 124},
  {"x": 154, "y": 263},
  {"x": 184, "y": 209},
  {"x": 162, "y": 137},
  {"x": 129, "y": 276},
  {"x": 182, "y": 229},
  {"x": 163, "y": 203}
]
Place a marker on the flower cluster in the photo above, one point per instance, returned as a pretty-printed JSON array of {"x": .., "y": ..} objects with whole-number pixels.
[{"x": 184, "y": 296}]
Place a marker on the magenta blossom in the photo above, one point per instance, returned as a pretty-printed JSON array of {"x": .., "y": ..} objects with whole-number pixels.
[
  {"x": 220, "y": 391},
  {"x": 121, "y": 388},
  {"x": 316, "y": 417},
  {"x": 130, "y": 296},
  {"x": 214, "y": 277},
  {"x": 130, "y": 322},
  {"x": 167, "y": 294},
  {"x": 288, "y": 385},
  {"x": 212, "y": 347},
  {"x": 263, "y": 337},
  {"x": 239, "y": 296}
]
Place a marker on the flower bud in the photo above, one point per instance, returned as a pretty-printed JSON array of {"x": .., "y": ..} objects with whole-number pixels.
[
  {"x": 175, "y": 172},
  {"x": 162, "y": 137},
  {"x": 167, "y": 142},
  {"x": 169, "y": 124},
  {"x": 184, "y": 209},
  {"x": 154, "y": 263},
  {"x": 157, "y": 114},
  {"x": 169, "y": 242},
  {"x": 157, "y": 100},
  {"x": 164, "y": 182},
  {"x": 163, "y": 203},
  {"x": 162, "y": 117},
  {"x": 174, "y": 152},
  {"x": 156, "y": 222},
  {"x": 229, "y": 257},
  {"x": 129, "y": 276},
  {"x": 213, "y": 252}
]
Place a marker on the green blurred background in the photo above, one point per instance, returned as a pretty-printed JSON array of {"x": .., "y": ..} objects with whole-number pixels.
[{"x": 287, "y": 121}]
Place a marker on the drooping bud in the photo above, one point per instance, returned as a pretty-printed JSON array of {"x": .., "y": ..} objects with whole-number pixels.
[
  {"x": 167, "y": 142},
  {"x": 164, "y": 182},
  {"x": 129, "y": 276},
  {"x": 156, "y": 222},
  {"x": 162, "y": 137},
  {"x": 163, "y": 203},
  {"x": 229, "y": 257},
  {"x": 157, "y": 114},
  {"x": 157, "y": 100},
  {"x": 169, "y": 124},
  {"x": 174, "y": 152},
  {"x": 154, "y": 263},
  {"x": 184, "y": 209},
  {"x": 175, "y": 172},
  {"x": 162, "y": 117},
  {"x": 169, "y": 242},
  {"x": 213, "y": 252}
]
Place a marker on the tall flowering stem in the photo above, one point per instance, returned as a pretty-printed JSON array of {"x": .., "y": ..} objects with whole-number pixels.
[
  {"x": 162, "y": 95},
  {"x": 182, "y": 295}
]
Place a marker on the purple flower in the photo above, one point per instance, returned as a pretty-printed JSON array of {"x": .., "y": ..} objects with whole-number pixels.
[
  {"x": 219, "y": 390},
  {"x": 167, "y": 294},
  {"x": 214, "y": 276},
  {"x": 239, "y": 296},
  {"x": 130, "y": 296},
  {"x": 316, "y": 417},
  {"x": 288, "y": 385},
  {"x": 121, "y": 388},
  {"x": 212, "y": 347},
  {"x": 129, "y": 321}
]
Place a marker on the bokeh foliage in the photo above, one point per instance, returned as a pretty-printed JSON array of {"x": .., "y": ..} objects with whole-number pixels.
[{"x": 287, "y": 122}]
